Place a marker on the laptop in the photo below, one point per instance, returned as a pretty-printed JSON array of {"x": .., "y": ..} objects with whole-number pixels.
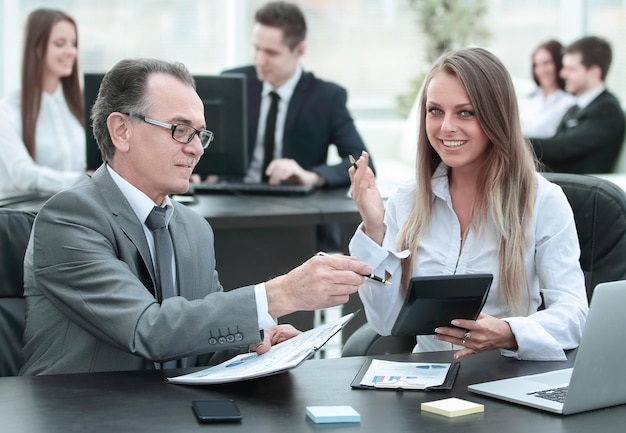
[{"x": 597, "y": 379}]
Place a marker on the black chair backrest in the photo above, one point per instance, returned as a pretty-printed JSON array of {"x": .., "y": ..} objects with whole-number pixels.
[
  {"x": 15, "y": 227},
  {"x": 599, "y": 208}
]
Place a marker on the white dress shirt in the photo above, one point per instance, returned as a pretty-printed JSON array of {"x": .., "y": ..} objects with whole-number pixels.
[
  {"x": 551, "y": 259},
  {"x": 587, "y": 98},
  {"x": 142, "y": 206},
  {"x": 60, "y": 146},
  {"x": 285, "y": 92},
  {"x": 540, "y": 115}
]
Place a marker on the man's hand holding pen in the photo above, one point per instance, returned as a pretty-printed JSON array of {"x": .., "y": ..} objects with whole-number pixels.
[
  {"x": 322, "y": 281},
  {"x": 370, "y": 276}
]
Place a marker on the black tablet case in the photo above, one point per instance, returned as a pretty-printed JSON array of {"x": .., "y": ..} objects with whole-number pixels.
[{"x": 434, "y": 301}]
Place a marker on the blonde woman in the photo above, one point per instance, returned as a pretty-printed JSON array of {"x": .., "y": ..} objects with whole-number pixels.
[{"x": 477, "y": 205}]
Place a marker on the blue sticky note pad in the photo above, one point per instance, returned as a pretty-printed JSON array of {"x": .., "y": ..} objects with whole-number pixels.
[{"x": 330, "y": 414}]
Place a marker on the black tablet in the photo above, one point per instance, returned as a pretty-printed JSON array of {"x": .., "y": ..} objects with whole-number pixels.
[{"x": 435, "y": 300}]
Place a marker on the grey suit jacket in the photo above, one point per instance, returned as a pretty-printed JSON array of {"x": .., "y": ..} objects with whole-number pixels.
[{"x": 90, "y": 288}]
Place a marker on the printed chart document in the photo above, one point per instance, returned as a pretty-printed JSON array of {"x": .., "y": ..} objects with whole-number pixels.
[
  {"x": 281, "y": 357},
  {"x": 382, "y": 374}
]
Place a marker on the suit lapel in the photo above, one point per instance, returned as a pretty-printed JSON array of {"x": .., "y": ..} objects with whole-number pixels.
[
  {"x": 570, "y": 118},
  {"x": 297, "y": 101},
  {"x": 591, "y": 105},
  {"x": 125, "y": 218},
  {"x": 575, "y": 113}
]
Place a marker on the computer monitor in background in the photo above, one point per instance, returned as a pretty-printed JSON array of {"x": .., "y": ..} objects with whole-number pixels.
[
  {"x": 226, "y": 114},
  {"x": 91, "y": 85},
  {"x": 224, "y": 99}
]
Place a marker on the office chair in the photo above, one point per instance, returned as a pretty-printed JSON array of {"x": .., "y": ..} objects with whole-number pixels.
[
  {"x": 600, "y": 214},
  {"x": 599, "y": 208},
  {"x": 366, "y": 341},
  {"x": 15, "y": 227}
]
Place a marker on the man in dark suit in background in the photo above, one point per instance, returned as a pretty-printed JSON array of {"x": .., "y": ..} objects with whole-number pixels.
[
  {"x": 590, "y": 135},
  {"x": 312, "y": 113}
]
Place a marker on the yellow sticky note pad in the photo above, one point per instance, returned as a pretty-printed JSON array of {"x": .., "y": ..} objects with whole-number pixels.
[{"x": 452, "y": 407}]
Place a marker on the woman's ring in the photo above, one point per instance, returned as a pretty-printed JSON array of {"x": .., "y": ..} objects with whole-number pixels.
[{"x": 466, "y": 337}]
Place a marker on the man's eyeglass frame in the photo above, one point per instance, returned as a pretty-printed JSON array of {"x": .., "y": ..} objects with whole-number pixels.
[{"x": 206, "y": 136}]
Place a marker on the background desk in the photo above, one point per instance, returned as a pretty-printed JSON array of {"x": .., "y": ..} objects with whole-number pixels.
[
  {"x": 260, "y": 237},
  {"x": 144, "y": 402}
]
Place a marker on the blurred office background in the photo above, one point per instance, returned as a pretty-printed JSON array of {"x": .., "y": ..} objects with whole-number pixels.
[{"x": 374, "y": 48}]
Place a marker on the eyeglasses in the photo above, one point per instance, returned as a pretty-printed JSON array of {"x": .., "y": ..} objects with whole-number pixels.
[{"x": 181, "y": 133}]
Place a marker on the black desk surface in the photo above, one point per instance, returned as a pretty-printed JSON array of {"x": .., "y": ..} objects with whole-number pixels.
[
  {"x": 23, "y": 199},
  {"x": 143, "y": 401},
  {"x": 321, "y": 207}
]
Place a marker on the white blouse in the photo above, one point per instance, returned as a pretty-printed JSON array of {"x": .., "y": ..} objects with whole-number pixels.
[
  {"x": 540, "y": 115},
  {"x": 551, "y": 260},
  {"x": 60, "y": 146}
]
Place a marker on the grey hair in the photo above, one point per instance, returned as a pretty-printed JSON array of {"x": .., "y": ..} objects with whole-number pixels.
[{"x": 123, "y": 90}]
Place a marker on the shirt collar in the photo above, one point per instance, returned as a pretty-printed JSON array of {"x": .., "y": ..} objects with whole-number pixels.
[
  {"x": 57, "y": 95},
  {"x": 286, "y": 90},
  {"x": 140, "y": 203},
  {"x": 585, "y": 99},
  {"x": 439, "y": 182}
]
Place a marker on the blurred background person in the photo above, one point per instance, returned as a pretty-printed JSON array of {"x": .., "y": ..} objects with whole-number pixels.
[
  {"x": 42, "y": 136},
  {"x": 542, "y": 109},
  {"x": 589, "y": 137},
  {"x": 311, "y": 114}
]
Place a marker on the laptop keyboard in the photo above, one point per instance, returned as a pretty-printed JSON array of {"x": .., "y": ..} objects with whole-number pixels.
[
  {"x": 251, "y": 188},
  {"x": 553, "y": 394}
]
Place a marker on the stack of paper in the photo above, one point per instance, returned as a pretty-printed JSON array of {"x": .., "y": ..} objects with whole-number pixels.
[
  {"x": 452, "y": 407},
  {"x": 330, "y": 414}
]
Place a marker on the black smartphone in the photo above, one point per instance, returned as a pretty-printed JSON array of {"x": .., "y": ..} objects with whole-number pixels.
[{"x": 219, "y": 410}]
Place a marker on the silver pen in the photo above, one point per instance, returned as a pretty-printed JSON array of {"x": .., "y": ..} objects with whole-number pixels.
[{"x": 370, "y": 276}]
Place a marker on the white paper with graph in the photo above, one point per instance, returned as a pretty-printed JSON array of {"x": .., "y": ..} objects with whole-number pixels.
[{"x": 281, "y": 357}]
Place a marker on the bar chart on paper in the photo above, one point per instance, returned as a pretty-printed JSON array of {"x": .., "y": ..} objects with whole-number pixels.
[{"x": 382, "y": 374}]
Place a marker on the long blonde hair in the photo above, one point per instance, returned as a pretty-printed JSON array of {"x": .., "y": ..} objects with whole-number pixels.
[{"x": 506, "y": 184}]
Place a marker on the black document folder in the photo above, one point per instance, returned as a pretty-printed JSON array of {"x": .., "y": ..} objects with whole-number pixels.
[{"x": 403, "y": 386}]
